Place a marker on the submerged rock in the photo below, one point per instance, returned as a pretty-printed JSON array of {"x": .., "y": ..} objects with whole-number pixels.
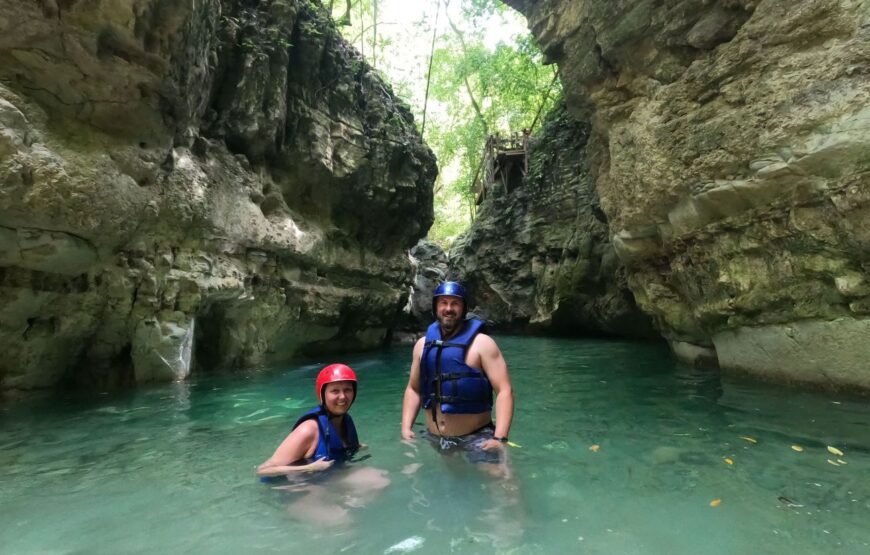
[
  {"x": 729, "y": 151},
  {"x": 232, "y": 164}
]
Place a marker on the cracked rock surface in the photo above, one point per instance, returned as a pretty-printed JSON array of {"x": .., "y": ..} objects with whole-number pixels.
[
  {"x": 729, "y": 149},
  {"x": 539, "y": 258},
  {"x": 225, "y": 181}
]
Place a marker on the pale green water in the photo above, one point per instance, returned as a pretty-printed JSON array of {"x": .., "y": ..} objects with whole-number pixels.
[{"x": 170, "y": 469}]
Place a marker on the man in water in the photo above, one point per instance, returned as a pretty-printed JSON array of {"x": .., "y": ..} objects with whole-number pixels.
[{"x": 455, "y": 370}]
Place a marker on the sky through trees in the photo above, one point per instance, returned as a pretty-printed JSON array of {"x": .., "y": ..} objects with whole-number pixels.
[{"x": 486, "y": 77}]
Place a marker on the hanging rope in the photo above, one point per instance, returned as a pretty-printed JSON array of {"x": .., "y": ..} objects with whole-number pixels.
[
  {"x": 544, "y": 101},
  {"x": 429, "y": 73}
]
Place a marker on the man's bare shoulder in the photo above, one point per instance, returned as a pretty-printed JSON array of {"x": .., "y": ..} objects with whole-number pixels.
[
  {"x": 484, "y": 339},
  {"x": 484, "y": 342},
  {"x": 418, "y": 346}
]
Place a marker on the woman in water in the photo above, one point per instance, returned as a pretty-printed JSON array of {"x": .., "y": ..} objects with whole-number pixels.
[{"x": 323, "y": 435}]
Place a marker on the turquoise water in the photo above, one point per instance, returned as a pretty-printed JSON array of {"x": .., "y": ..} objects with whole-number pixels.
[{"x": 170, "y": 468}]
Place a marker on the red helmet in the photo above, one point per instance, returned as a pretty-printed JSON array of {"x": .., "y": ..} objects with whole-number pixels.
[{"x": 334, "y": 373}]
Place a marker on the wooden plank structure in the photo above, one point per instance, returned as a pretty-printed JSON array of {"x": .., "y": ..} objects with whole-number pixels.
[{"x": 505, "y": 162}]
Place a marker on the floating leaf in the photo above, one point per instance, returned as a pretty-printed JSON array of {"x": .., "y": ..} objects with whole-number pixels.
[
  {"x": 729, "y": 461},
  {"x": 594, "y": 448},
  {"x": 715, "y": 502},
  {"x": 841, "y": 461},
  {"x": 797, "y": 448},
  {"x": 749, "y": 439},
  {"x": 833, "y": 462},
  {"x": 835, "y": 451}
]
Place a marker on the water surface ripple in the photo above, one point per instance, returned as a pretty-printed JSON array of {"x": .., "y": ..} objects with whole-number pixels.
[{"x": 170, "y": 468}]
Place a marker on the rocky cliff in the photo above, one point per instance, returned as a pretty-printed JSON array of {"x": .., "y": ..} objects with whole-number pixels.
[
  {"x": 430, "y": 269},
  {"x": 222, "y": 178},
  {"x": 539, "y": 258},
  {"x": 729, "y": 148}
]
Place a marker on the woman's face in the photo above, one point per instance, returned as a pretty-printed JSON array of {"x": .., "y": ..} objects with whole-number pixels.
[{"x": 337, "y": 396}]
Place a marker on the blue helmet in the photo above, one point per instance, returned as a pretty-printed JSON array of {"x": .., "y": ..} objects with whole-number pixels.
[{"x": 453, "y": 289}]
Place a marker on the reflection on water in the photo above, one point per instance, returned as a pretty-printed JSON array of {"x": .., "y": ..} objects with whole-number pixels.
[{"x": 171, "y": 468}]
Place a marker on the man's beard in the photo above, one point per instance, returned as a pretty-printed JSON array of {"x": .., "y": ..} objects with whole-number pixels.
[{"x": 449, "y": 328}]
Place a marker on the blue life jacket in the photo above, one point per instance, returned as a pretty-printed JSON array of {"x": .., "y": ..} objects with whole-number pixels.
[
  {"x": 445, "y": 379},
  {"x": 329, "y": 445}
]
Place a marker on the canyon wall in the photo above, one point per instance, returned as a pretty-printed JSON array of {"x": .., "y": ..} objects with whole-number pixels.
[
  {"x": 226, "y": 181},
  {"x": 730, "y": 151}
]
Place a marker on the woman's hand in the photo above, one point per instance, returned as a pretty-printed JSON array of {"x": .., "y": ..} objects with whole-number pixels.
[
  {"x": 316, "y": 466},
  {"x": 283, "y": 469}
]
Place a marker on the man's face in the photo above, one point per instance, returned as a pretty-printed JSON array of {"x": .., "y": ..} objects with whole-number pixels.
[
  {"x": 337, "y": 396},
  {"x": 448, "y": 309}
]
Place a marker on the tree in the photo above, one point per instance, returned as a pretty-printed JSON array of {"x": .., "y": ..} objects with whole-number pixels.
[
  {"x": 461, "y": 84},
  {"x": 486, "y": 90},
  {"x": 363, "y": 30},
  {"x": 344, "y": 20}
]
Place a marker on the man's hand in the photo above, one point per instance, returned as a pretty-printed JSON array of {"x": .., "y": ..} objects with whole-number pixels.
[
  {"x": 408, "y": 434},
  {"x": 492, "y": 445}
]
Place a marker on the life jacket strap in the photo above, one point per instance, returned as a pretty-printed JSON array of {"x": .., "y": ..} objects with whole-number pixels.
[
  {"x": 444, "y": 344},
  {"x": 449, "y": 399},
  {"x": 436, "y": 390},
  {"x": 457, "y": 376}
]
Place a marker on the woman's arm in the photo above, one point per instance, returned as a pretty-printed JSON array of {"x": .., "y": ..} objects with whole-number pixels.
[
  {"x": 299, "y": 444},
  {"x": 281, "y": 470}
]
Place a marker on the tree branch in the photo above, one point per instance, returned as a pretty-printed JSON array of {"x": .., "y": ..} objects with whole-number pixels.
[{"x": 462, "y": 45}]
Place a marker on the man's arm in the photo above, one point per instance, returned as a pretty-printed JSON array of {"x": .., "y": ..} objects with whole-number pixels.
[
  {"x": 495, "y": 367},
  {"x": 295, "y": 446},
  {"x": 411, "y": 400}
]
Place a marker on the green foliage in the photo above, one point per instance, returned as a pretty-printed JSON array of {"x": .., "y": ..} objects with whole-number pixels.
[
  {"x": 448, "y": 227},
  {"x": 506, "y": 81},
  {"x": 509, "y": 86},
  {"x": 357, "y": 24},
  {"x": 278, "y": 37}
]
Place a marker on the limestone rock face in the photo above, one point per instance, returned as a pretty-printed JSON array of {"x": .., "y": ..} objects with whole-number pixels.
[
  {"x": 220, "y": 181},
  {"x": 430, "y": 269},
  {"x": 729, "y": 147},
  {"x": 540, "y": 258}
]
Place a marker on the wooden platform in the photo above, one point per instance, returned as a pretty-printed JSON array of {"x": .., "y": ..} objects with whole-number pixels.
[{"x": 504, "y": 163}]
